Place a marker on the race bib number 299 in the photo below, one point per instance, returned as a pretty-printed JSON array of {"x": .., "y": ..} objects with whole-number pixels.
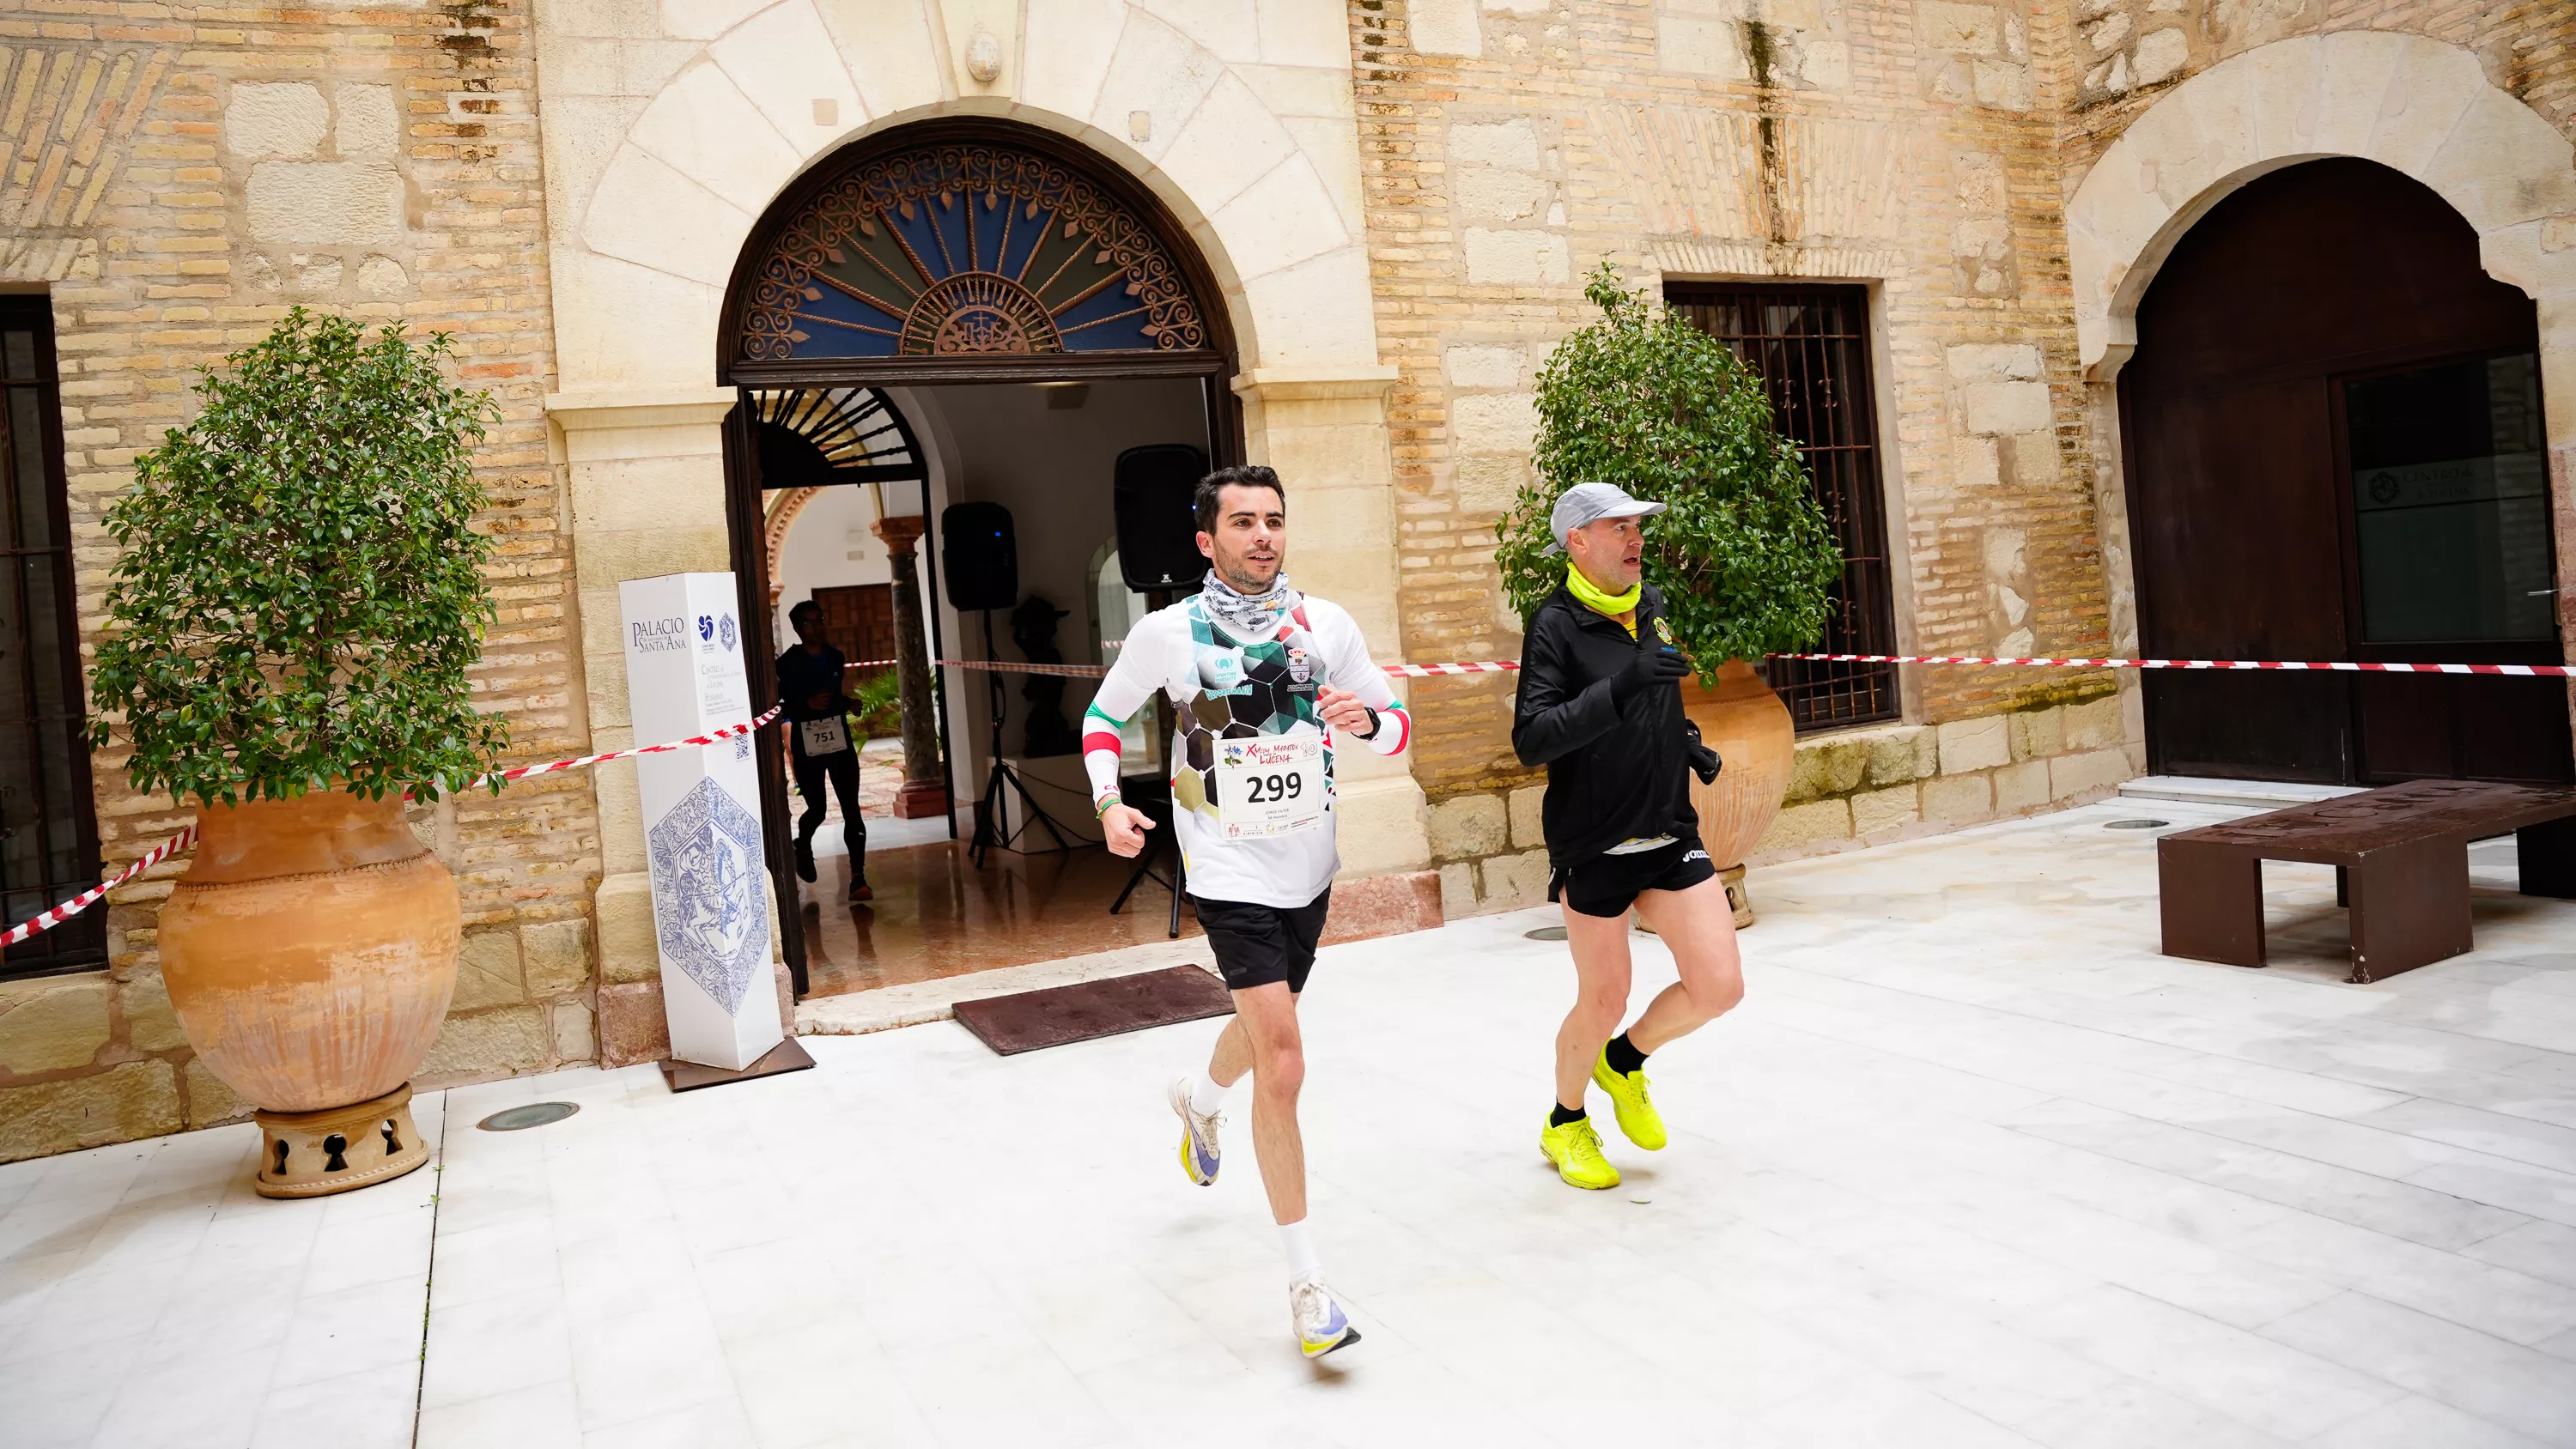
[{"x": 1269, "y": 785}]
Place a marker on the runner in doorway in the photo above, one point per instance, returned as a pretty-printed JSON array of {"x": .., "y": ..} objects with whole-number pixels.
[
  {"x": 818, "y": 743},
  {"x": 1600, "y": 707},
  {"x": 1266, "y": 682}
]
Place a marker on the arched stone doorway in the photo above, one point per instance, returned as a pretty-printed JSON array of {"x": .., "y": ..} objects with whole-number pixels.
[
  {"x": 661, "y": 178},
  {"x": 2473, "y": 164},
  {"x": 949, "y": 256},
  {"x": 2334, "y": 451}
]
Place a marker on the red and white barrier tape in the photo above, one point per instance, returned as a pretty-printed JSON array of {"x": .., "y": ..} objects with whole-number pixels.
[
  {"x": 2526, "y": 671},
  {"x": 47, "y": 919},
  {"x": 1479, "y": 666},
  {"x": 1005, "y": 666},
  {"x": 1510, "y": 666}
]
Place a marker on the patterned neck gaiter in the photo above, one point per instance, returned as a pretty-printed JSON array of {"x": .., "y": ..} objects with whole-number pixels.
[{"x": 1248, "y": 616}]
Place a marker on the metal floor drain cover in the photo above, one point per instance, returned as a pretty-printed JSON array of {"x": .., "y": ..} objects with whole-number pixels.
[
  {"x": 2137, "y": 825},
  {"x": 1544, "y": 933},
  {"x": 535, "y": 1114}
]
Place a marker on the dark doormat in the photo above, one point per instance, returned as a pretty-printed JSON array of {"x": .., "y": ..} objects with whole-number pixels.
[{"x": 1059, "y": 1014}]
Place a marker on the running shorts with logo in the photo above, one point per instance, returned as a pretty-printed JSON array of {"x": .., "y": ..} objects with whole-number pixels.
[
  {"x": 1608, "y": 884},
  {"x": 1256, "y": 945},
  {"x": 1252, "y": 764}
]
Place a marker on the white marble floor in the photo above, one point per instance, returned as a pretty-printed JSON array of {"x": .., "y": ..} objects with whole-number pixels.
[{"x": 1972, "y": 1166}]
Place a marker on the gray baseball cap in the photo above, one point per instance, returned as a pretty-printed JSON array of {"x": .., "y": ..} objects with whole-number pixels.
[{"x": 1590, "y": 503}]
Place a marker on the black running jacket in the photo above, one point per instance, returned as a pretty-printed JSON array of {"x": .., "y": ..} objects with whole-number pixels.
[{"x": 1614, "y": 772}]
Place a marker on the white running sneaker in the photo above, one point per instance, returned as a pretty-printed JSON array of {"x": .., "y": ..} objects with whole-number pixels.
[
  {"x": 1321, "y": 1325},
  {"x": 1199, "y": 1155}
]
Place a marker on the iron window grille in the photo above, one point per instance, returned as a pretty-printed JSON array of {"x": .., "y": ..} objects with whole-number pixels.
[
  {"x": 1810, "y": 346},
  {"x": 48, "y": 826}
]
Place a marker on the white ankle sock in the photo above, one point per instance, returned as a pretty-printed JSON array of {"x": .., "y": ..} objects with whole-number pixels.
[
  {"x": 1300, "y": 1244},
  {"x": 1206, "y": 1097}
]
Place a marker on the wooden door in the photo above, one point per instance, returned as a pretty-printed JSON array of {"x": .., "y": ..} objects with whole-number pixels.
[
  {"x": 2307, "y": 341},
  {"x": 858, "y": 620}
]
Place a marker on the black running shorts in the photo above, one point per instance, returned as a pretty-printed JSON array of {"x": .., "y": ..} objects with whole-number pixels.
[
  {"x": 1607, "y": 885},
  {"x": 1256, "y": 944}
]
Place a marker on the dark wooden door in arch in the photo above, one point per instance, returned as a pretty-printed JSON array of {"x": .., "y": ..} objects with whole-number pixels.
[{"x": 2332, "y": 446}]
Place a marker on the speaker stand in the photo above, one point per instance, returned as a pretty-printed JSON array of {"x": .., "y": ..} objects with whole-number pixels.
[{"x": 988, "y": 814}]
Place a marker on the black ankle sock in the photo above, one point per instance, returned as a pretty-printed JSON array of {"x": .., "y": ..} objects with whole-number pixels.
[
  {"x": 1560, "y": 1115},
  {"x": 1623, "y": 1055}
]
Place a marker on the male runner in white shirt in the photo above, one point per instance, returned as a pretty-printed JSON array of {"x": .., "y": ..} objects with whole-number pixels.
[{"x": 1265, "y": 682}]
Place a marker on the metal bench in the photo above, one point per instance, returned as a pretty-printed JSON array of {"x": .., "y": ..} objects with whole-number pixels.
[{"x": 2401, "y": 859}]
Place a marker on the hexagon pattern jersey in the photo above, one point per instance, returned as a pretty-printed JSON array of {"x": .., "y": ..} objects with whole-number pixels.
[{"x": 1224, "y": 687}]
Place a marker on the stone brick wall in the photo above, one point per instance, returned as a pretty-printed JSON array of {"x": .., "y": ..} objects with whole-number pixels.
[
  {"x": 176, "y": 176},
  {"x": 1508, "y": 145},
  {"x": 1847, "y": 789},
  {"x": 2127, "y": 52}
]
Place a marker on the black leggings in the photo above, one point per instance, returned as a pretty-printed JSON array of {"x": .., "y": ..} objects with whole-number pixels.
[{"x": 843, "y": 769}]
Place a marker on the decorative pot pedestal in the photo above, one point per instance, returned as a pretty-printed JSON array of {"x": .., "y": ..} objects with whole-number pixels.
[{"x": 315, "y": 1154}]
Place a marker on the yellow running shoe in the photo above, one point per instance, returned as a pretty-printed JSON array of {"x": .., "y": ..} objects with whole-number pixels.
[
  {"x": 1576, "y": 1150},
  {"x": 1638, "y": 1119}
]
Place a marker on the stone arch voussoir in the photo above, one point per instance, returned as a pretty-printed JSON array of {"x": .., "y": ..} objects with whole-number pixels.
[
  {"x": 2418, "y": 106},
  {"x": 686, "y": 184}
]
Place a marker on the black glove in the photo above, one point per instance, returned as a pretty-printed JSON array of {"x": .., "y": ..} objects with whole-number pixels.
[
  {"x": 1703, "y": 762},
  {"x": 1653, "y": 668}
]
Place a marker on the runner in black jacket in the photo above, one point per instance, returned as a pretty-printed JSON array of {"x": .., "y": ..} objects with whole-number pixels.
[{"x": 1600, "y": 706}]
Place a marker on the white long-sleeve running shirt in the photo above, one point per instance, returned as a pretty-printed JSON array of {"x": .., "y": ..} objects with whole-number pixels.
[{"x": 1252, "y": 761}]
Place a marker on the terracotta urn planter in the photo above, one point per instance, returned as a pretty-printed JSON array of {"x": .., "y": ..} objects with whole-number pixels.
[
  {"x": 310, "y": 951},
  {"x": 1749, "y": 728}
]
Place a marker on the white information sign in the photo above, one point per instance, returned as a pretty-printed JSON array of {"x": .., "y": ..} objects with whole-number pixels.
[{"x": 685, "y": 676}]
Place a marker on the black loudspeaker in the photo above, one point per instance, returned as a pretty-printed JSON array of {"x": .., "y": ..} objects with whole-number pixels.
[
  {"x": 1158, "y": 537},
  {"x": 980, "y": 556}
]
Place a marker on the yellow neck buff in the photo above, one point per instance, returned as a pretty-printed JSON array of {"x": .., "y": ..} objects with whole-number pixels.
[{"x": 1591, "y": 597}]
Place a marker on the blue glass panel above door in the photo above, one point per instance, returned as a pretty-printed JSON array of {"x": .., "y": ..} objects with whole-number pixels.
[{"x": 967, "y": 248}]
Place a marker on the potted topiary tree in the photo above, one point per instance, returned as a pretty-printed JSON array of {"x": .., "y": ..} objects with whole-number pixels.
[
  {"x": 1742, "y": 552},
  {"x": 289, "y": 630}
]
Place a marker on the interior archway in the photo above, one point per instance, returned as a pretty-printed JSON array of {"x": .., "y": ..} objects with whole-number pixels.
[{"x": 1043, "y": 313}]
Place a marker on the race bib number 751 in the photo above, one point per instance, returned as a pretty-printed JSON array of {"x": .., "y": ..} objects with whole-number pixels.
[{"x": 1269, "y": 785}]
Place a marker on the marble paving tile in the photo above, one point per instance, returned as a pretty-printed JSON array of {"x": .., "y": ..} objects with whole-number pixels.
[
  {"x": 2270, "y": 1386},
  {"x": 2518, "y": 1139},
  {"x": 353, "y": 1330},
  {"x": 2128, "y": 1413},
  {"x": 371, "y": 1409},
  {"x": 2399, "y": 1209},
  {"x": 536, "y": 1416},
  {"x": 2531, "y": 1393},
  {"x": 2543, "y": 1250},
  {"x": 1973, "y": 1164},
  {"x": 2513, "y": 1306},
  {"x": 2413, "y": 1423},
  {"x": 2533, "y": 1191},
  {"x": 712, "y": 1424},
  {"x": 204, "y": 1401},
  {"x": 495, "y": 1345},
  {"x": 57, "y": 1400}
]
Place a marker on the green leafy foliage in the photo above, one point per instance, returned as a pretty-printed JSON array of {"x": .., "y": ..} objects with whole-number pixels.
[
  {"x": 1644, "y": 400},
  {"x": 876, "y": 706},
  {"x": 300, "y": 594}
]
